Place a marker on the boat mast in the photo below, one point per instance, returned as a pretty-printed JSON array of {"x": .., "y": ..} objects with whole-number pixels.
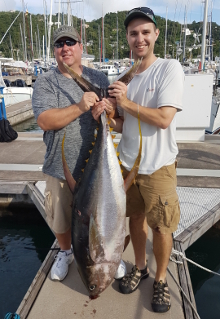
[
  {"x": 58, "y": 22},
  {"x": 184, "y": 41},
  {"x": 204, "y": 35},
  {"x": 68, "y": 12},
  {"x": 99, "y": 44},
  {"x": 210, "y": 39},
  {"x": 43, "y": 47},
  {"x": 103, "y": 37},
  {"x": 38, "y": 35},
  {"x": 36, "y": 44},
  {"x": 45, "y": 31},
  {"x": 25, "y": 50},
  {"x": 22, "y": 41},
  {"x": 49, "y": 31},
  {"x": 32, "y": 47},
  {"x": 165, "y": 46}
]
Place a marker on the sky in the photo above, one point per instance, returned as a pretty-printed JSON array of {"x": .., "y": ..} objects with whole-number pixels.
[{"x": 176, "y": 10}]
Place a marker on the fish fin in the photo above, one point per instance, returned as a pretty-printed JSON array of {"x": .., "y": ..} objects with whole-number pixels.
[
  {"x": 113, "y": 136},
  {"x": 134, "y": 171},
  {"x": 69, "y": 178},
  {"x": 90, "y": 151},
  {"x": 93, "y": 143},
  {"x": 117, "y": 153},
  {"x": 85, "y": 85},
  {"x": 87, "y": 160},
  {"x": 95, "y": 242},
  {"x": 131, "y": 73},
  {"x": 127, "y": 241}
]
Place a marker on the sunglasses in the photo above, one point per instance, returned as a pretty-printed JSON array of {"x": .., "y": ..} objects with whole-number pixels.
[
  {"x": 146, "y": 10},
  {"x": 69, "y": 43}
]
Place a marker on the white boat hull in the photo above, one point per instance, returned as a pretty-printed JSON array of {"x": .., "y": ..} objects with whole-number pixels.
[{"x": 14, "y": 95}]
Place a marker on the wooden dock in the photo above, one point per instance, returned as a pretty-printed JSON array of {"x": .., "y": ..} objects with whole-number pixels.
[
  {"x": 19, "y": 112},
  {"x": 198, "y": 170}
]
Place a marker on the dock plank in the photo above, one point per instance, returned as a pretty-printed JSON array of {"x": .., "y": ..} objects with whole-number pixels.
[
  {"x": 197, "y": 229},
  {"x": 186, "y": 285}
]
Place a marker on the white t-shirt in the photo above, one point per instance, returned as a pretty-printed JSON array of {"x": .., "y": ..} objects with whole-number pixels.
[{"x": 161, "y": 84}]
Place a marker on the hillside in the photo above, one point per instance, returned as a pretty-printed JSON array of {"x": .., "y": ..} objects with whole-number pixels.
[{"x": 93, "y": 29}]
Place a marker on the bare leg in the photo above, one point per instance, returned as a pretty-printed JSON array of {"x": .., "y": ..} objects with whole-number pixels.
[
  {"x": 162, "y": 246},
  {"x": 64, "y": 240},
  {"x": 138, "y": 231}
]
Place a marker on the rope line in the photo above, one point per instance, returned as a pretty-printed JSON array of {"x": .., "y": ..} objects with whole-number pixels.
[
  {"x": 182, "y": 255},
  {"x": 177, "y": 253},
  {"x": 180, "y": 288}
]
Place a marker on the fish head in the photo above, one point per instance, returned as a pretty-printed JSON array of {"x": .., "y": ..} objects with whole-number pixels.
[{"x": 98, "y": 277}]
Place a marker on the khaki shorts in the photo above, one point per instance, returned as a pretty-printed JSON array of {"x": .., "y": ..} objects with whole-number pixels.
[
  {"x": 156, "y": 196},
  {"x": 58, "y": 204}
]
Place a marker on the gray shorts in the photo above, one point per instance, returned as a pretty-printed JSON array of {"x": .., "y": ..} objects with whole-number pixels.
[{"x": 58, "y": 204}]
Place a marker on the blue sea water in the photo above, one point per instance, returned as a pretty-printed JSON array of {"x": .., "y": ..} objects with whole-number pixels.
[
  {"x": 206, "y": 286},
  {"x": 25, "y": 240}
]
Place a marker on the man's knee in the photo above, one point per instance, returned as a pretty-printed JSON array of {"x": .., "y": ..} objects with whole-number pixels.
[{"x": 139, "y": 216}]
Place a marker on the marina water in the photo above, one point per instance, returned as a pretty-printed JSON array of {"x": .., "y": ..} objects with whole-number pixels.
[{"x": 25, "y": 240}]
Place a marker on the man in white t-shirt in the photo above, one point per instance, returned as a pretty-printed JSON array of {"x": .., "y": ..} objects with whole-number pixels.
[{"x": 156, "y": 94}]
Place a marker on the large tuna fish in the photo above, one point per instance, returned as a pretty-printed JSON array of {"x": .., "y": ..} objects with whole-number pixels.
[{"x": 99, "y": 212}]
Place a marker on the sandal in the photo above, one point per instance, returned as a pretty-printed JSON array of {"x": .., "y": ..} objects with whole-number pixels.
[
  {"x": 131, "y": 281},
  {"x": 161, "y": 297}
]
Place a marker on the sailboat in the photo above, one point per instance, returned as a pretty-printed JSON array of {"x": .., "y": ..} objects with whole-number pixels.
[
  {"x": 201, "y": 99},
  {"x": 16, "y": 91}
]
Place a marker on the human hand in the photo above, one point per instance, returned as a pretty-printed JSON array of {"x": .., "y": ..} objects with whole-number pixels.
[
  {"x": 118, "y": 90},
  {"x": 110, "y": 104},
  {"x": 106, "y": 104},
  {"x": 88, "y": 100},
  {"x": 97, "y": 109}
]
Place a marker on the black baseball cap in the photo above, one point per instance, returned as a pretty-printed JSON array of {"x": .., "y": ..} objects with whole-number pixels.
[{"x": 138, "y": 13}]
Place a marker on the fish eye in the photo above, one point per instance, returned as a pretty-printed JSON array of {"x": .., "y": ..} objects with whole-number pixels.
[{"x": 92, "y": 287}]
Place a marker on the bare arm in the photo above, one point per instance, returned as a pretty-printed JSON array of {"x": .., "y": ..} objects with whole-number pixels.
[
  {"x": 55, "y": 119},
  {"x": 161, "y": 117}
]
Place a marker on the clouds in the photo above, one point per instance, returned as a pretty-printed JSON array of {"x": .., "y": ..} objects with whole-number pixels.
[
  {"x": 92, "y": 9},
  {"x": 7, "y": 5}
]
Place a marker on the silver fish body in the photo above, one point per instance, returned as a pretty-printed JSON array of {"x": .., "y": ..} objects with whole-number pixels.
[{"x": 99, "y": 214}]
